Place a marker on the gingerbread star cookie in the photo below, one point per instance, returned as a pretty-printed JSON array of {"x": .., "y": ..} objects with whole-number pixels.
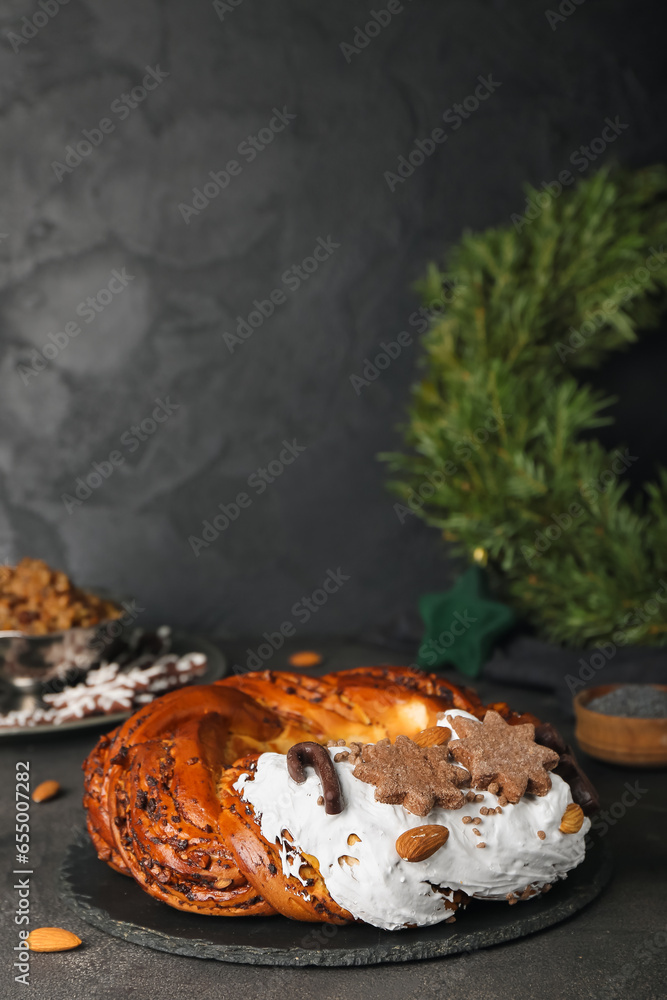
[
  {"x": 403, "y": 772},
  {"x": 503, "y": 758}
]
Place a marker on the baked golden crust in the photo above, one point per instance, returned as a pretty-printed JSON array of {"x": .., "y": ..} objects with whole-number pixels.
[
  {"x": 261, "y": 862},
  {"x": 159, "y": 793}
]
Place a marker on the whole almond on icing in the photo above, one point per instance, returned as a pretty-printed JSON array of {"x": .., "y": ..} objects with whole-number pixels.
[
  {"x": 421, "y": 842},
  {"x": 52, "y": 939},
  {"x": 572, "y": 819},
  {"x": 436, "y": 736},
  {"x": 47, "y": 790}
]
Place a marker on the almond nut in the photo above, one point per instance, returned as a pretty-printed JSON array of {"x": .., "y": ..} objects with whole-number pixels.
[
  {"x": 346, "y": 859},
  {"x": 436, "y": 736},
  {"x": 305, "y": 658},
  {"x": 353, "y": 839},
  {"x": 572, "y": 819},
  {"x": 421, "y": 842},
  {"x": 47, "y": 790},
  {"x": 52, "y": 939}
]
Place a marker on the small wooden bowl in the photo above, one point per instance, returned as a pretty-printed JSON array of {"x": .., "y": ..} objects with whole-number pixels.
[{"x": 616, "y": 738}]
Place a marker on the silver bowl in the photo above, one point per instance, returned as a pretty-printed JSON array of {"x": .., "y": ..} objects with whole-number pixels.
[{"x": 29, "y": 662}]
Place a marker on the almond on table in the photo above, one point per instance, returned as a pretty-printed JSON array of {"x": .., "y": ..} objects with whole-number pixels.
[
  {"x": 52, "y": 939},
  {"x": 46, "y": 790},
  {"x": 305, "y": 658}
]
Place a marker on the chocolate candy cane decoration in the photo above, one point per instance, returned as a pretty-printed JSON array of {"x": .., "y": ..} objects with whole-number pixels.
[{"x": 302, "y": 755}]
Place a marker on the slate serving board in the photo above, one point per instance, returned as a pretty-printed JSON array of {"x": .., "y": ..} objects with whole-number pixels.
[{"x": 115, "y": 904}]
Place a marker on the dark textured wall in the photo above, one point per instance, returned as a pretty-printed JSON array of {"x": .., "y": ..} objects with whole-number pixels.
[{"x": 70, "y": 399}]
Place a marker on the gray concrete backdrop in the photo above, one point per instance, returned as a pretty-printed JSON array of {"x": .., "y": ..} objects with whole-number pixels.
[{"x": 168, "y": 273}]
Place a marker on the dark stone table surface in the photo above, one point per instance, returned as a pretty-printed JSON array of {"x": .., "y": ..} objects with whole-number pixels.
[{"x": 616, "y": 947}]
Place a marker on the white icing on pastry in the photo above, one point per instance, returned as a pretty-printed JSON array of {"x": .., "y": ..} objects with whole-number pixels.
[{"x": 383, "y": 889}]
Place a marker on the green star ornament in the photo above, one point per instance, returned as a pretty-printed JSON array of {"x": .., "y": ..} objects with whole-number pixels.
[{"x": 462, "y": 625}]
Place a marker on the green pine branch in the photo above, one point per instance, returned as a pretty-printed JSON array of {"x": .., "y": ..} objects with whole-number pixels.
[{"x": 499, "y": 425}]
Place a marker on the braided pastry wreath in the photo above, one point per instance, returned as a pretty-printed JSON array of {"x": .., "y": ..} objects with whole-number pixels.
[{"x": 168, "y": 796}]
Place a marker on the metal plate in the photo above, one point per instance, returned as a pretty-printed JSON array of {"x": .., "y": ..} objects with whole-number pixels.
[
  {"x": 115, "y": 904},
  {"x": 181, "y": 643}
]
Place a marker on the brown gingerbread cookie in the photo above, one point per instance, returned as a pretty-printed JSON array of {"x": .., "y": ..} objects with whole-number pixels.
[
  {"x": 403, "y": 772},
  {"x": 503, "y": 758}
]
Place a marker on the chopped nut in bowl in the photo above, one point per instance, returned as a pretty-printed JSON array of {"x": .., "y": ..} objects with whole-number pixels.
[
  {"x": 48, "y": 626},
  {"x": 38, "y": 600},
  {"x": 68, "y": 657}
]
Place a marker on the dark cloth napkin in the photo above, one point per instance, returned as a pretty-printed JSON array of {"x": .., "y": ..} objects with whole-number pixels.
[
  {"x": 525, "y": 661},
  {"x": 529, "y": 662}
]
